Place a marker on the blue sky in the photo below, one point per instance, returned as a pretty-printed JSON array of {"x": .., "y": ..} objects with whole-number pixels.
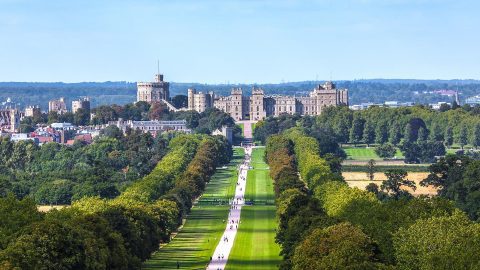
[{"x": 238, "y": 41}]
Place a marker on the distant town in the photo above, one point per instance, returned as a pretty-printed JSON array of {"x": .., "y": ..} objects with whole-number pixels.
[{"x": 238, "y": 105}]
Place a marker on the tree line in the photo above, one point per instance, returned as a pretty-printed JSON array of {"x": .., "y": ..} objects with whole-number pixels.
[
  {"x": 422, "y": 134},
  {"x": 118, "y": 233},
  {"x": 324, "y": 224}
]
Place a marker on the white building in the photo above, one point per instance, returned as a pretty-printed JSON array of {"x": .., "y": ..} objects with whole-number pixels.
[
  {"x": 153, "y": 126},
  {"x": 82, "y": 103}
]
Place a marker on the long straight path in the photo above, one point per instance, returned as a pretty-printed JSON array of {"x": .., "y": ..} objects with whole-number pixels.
[
  {"x": 233, "y": 222},
  {"x": 255, "y": 247},
  {"x": 194, "y": 244}
]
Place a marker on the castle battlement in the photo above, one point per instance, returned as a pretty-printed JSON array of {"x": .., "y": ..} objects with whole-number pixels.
[{"x": 259, "y": 106}]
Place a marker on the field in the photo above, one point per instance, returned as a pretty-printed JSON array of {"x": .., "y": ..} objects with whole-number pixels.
[
  {"x": 195, "y": 243},
  {"x": 255, "y": 246},
  {"x": 364, "y": 153},
  {"x": 359, "y": 179}
]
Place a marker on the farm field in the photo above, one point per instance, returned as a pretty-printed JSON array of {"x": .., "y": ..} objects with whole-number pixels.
[
  {"x": 255, "y": 246},
  {"x": 359, "y": 179},
  {"x": 194, "y": 244}
]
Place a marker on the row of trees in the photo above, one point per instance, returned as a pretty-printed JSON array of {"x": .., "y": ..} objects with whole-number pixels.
[
  {"x": 97, "y": 233},
  {"x": 381, "y": 125},
  {"x": 333, "y": 226}
]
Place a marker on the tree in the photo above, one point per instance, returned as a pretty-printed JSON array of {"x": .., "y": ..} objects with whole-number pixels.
[
  {"x": 381, "y": 132},
  {"x": 409, "y": 133},
  {"x": 112, "y": 132},
  {"x": 395, "y": 134},
  {"x": 157, "y": 111},
  {"x": 14, "y": 216},
  {"x": 371, "y": 169},
  {"x": 463, "y": 136},
  {"x": 386, "y": 150},
  {"x": 445, "y": 242},
  {"x": 356, "y": 131},
  {"x": 449, "y": 136},
  {"x": 373, "y": 188},
  {"x": 437, "y": 133},
  {"x": 422, "y": 134},
  {"x": 368, "y": 133},
  {"x": 81, "y": 117},
  {"x": 180, "y": 101},
  {"x": 476, "y": 136},
  {"x": 444, "y": 107},
  {"x": 396, "y": 178},
  {"x": 341, "y": 246}
]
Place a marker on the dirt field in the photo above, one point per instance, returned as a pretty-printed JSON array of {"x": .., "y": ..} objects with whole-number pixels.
[
  {"x": 359, "y": 179},
  {"x": 46, "y": 208}
]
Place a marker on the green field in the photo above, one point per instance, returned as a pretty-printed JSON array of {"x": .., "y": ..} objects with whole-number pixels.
[
  {"x": 255, "y": 246},
  {"x": 197, "y": 240},
  {"x": 363, "y": 153}
]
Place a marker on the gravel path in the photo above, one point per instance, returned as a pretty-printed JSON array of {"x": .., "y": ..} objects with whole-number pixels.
[{"x": 220, "y": 256}]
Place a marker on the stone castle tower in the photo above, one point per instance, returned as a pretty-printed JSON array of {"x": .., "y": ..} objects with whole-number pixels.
[{"x": 153, "y": 91}]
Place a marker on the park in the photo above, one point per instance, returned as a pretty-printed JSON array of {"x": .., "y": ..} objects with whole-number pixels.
[{"x": 200, "y": 242}]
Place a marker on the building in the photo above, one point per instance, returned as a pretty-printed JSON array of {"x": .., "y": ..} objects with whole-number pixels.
[
  {"x": 30, "y": 111},
  {"x": 22, "y": 137},
  {"x": 475, "y": 100},
  {"x": 153, "y": 126},
  {"x": 200, "y": 101},
  {"x": 82, "y": 103},
  {"x": 438, "y": 105},
  {"x": 10, "y": 120},
  {"x": 226, "y": 132},
  {"x": 8, "y": 104},
  {"x": 57, "y": 105},
  {"x": 259, "y": 106},
  {"x": 156, "y": 91}
]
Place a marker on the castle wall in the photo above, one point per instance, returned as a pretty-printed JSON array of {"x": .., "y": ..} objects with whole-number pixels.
[{"x": 258, "y": 106}]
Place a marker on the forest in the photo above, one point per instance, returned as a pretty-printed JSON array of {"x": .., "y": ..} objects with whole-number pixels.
[
  {"x": 119, "y": 233},
  {"x": 55, "y": 174},
  {"x": 325, "y": 224}
]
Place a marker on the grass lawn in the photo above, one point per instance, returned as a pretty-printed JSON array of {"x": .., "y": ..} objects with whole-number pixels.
[
  {"x": 197, "y": 240},
  {"x": 363, "y": 153},
  {"x": 255, "y": 246},
  {"x": 242, "y": 127}
]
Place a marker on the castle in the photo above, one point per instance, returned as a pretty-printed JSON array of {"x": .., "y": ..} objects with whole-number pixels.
[
  {"x": 156, "y": 91},
  {"x": 259, "y": 106}
]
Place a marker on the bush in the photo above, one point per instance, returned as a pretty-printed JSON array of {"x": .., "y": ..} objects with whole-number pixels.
[{"x": 386, "y": 150}]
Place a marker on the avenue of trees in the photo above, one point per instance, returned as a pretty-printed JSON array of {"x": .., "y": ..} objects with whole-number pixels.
[
  {"x": 324, "y": 224},
  {"x": 120, "y": 233}
]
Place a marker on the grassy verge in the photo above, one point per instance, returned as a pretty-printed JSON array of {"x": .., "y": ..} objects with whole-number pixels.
[
  {"x": 255, "y": 246},
  {"x": 195, "y": 243}
]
